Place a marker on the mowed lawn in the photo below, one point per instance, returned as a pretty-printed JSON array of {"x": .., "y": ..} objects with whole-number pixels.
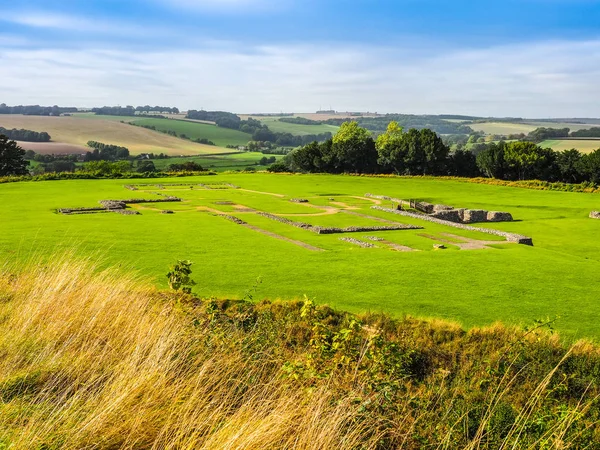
[
  {"x": 583, "y": 145},
  {"x": 195, "y": 130},
  {"x": 559, "y": 276},
  {"x": 77, "y": 131}
]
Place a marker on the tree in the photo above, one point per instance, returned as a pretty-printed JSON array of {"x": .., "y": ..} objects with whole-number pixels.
[
  {"x": 12, "y": 158},
  {"x": 570, "y": 165},
  {"x": 391, "y": 151},
  {"x": 463, "y": 164},
  {"x": 352, "y": 150},
  {"x": 490, "y": 161},
  {"x": 591, "y": 164},
  {"x": 525, "y": 160},
  {"x": 146, "y": 166}
]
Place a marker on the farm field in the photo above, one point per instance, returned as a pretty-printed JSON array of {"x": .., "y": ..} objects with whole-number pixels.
[
  {"x": 219, "y": 163},
  {"x": 402, "y": 274},
  {"x": 297, "y": 130},
  {"x": 197, "y": 130},
  {"x": 524, "y": 127},
  {"x": 76, "y": 131},
  {"x": 583, "y": 145}
]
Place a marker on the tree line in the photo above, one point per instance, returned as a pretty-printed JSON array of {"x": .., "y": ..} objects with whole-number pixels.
[
  {"x": 132, "y": 110},
  {"x": 423, "y": 152},
  {"x": 407, "y": 121},
  {"x": 36, "y": 110},
  {"x": 259, "y": 131},
  {"x": 105, "y": 152},
  {"x": 25, "y": 135}
]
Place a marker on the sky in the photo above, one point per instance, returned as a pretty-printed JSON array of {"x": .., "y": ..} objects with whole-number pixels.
[{"x": 509, "y": 58}]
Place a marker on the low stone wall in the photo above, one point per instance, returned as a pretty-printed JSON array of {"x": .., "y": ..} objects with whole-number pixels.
[
  {"x": 117, "y": 206},
  {"x": 126, "y": 212},
  {"x": 510, "y": 237},
  {"x": 298, "y": 200},
  {"x": 357, "y": 242},
  {"x": 232, "y": 219},
  {"x": 334, "y": 230},
  {"x": 595, "y": 215}
]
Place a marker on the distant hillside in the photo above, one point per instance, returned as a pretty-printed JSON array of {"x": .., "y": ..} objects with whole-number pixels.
[{"x": 75, "y": 131}]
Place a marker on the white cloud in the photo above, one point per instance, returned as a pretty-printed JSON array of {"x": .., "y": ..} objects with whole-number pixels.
[
  {"x": 73, "y": 23},
  {"x": 531, "y": 80}
]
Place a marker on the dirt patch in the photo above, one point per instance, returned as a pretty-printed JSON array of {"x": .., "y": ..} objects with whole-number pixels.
[
  {"x": 344, "y": 206},
  {"x": 372, "y": 200},
  {"x": 264, "y": 193}
]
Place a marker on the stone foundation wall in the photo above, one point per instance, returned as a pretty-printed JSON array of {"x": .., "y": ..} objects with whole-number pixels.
[
  {"x": 357, "y": 242},
  {"x": 595, "y": 215},
  {"x": 334, "y": 230},
  {"x": 496, "y": 216},
  {"x": 510, "y": 237}
]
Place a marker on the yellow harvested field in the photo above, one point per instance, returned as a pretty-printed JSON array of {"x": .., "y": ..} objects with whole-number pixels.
[
  {"x": 75, "y": 131},
  {"x": 506, "y": 128},
  {"x": 583, "y": 145}
]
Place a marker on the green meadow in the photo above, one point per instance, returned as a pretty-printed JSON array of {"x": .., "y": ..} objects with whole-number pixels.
[
  {"x": 558, "y": 277},
  {"x": 195, "y": 130},
  {"x": 296, "y": 129},
  {"x": 219, "y": 163}
]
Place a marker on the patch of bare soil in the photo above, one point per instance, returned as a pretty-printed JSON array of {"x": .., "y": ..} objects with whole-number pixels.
[{"x": 265, "y": 193}]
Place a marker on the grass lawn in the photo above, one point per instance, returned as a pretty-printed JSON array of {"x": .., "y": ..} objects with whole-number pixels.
[
  {"x": 507, "y": 282},
  {"x": 196, "y": 130}
]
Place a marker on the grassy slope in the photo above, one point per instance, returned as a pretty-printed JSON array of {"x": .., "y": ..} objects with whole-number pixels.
[
  {"x": 78, "y": 131},
  {"x": 297, "y": 130},
  {"x": 105, "y": 361},
  {"x": 513, "y": 283},
  {"x": 583, "y": 145},
  {"x": 524, "y": 127},
  {"x": 195, "y": 130}
]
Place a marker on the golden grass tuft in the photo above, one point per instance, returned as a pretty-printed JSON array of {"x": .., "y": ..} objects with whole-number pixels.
[{"x": 94, "y": 359}]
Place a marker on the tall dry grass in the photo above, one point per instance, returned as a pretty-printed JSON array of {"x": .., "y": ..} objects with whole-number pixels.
[{"x": 99, "y": 360}]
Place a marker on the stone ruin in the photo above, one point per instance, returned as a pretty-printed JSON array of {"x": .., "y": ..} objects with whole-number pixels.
[
  {"x": 167, "y": 211},
  {"x": 298, "y": 200},
  {"x": 232, "y": 219},
  {"x": 362, "y": 244},
  {"x": 510, "y": 237},
  {"x": 595, "y": 215},
  {"x": 117, "y": 206},
  {"x": 450, "y": 213},
  {"x": 334, "y": 230}
]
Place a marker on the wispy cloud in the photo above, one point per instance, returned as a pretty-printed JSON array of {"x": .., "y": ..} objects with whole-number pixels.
[
  {"x": 73, "y": 23},
  {"x": 556, "y": 78}
]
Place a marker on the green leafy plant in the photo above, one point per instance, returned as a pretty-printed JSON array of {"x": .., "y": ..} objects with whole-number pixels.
[{"x": 179, "y": 276}]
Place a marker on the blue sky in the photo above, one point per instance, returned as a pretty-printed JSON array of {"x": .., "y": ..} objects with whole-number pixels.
[{"x": 528, "y": 58}]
